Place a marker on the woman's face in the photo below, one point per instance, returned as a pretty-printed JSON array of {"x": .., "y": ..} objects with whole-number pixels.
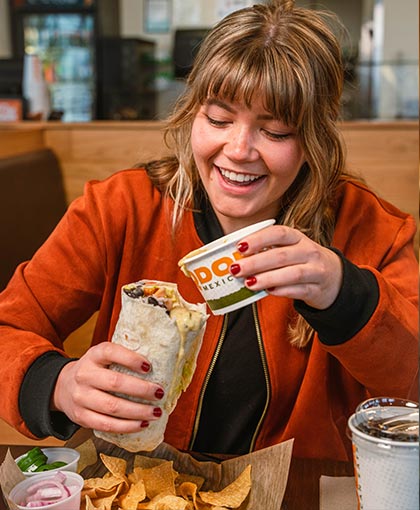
[{"x": 246, "y": 160}]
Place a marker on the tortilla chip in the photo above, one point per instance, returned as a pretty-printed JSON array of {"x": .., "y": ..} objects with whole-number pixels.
[
  {"x": 187, "y": 490},
  {"x": 105, "y": 493},
  {"x": 135, "y": 494},
  {"x": 205, "y": 506},
  {"x": 105, "y": 503},
  {"x": 159, "y": 479},
  {"x": 145, "y": 506},
  {"x": 89, "y": 505},
  {"x": 91, "y": 492},
  {"x": 133, "y": 477},
  {"x": 104, "y": 483},
  {"x": 170, "y": 502},
  {"x": 146, "y": 462},
  {"x": 114, "y": 465},
  {"x": 233, "y": 495},
  {"x": 88, "y": 455},
  {"x": 195, "y": 479}
]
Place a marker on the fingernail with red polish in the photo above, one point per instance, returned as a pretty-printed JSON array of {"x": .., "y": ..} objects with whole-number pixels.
[
  {"x": 145, "y": 366},
  {"x": 250, "y": 281},
  {"x": 144, "y": 424},
  {"x": 159, "y": 393},
  {"x": 242, "y": 247},
  {"x": 157, "y": 411},
  {"x": 234, "y": 268}
]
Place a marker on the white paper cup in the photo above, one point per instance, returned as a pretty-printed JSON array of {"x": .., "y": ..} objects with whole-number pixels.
[
  {"x": 209, "y": 268},
  {"x": 74, "y": 481},
  {"x": 386, "y": 470}
]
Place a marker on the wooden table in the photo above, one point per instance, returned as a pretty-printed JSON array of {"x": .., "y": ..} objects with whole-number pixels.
[{"x": 302, "y": 492}]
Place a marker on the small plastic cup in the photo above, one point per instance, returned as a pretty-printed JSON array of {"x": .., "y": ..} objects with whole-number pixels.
[
  {"x": 386, "y": 454},
  {"x": 74, "y": 481},
  {"x": 68, "y": 455},
  {"x": 209, "y": 269}
]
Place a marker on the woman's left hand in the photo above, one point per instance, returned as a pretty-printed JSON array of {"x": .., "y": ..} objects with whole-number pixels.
[{"x": 287, "y": 263}]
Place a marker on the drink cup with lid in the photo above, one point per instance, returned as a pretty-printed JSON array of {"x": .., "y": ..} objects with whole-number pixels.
[{"x": 385, "y": 440}]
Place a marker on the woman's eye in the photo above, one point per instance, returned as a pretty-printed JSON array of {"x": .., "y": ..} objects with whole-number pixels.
[
  {"x": 277, "y": 136},
  {"x": 217, "y": 123}
]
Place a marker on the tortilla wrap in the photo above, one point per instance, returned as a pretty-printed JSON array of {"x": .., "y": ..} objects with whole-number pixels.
[{"x": 159, "y": 324}]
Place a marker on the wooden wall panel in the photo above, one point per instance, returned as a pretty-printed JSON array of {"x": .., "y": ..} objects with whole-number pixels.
[
  {"x": 96, "y": 150},
  {"x": 77, "y": 173},
  {"x": 123, "y": 147},
  {"x": 388, "y": 159},
  {"x": 13, "y": 141},
  {"x": 60, "y": 140}
]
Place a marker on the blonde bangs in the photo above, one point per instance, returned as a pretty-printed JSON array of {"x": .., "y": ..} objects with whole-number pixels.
[{"x": 256, "y": 73}]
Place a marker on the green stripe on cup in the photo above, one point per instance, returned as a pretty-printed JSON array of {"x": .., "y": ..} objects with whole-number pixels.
[{"x": 230, "y": 299}]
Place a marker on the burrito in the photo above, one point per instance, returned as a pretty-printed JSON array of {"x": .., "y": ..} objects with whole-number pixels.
[{"x": 159, "y": 324}]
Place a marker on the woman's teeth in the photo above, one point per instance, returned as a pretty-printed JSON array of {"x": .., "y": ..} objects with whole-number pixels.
[{"x": 240, "y": 178}]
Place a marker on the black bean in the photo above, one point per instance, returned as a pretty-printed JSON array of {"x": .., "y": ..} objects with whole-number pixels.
[
  {"x": 153, "y": 301},
  {"x": 134, "y": 292}
]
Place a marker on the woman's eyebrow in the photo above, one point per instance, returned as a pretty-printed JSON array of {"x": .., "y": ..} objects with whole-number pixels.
[
  {"x": 221, "y": 104},
  {"x": 230, "y": 109}
]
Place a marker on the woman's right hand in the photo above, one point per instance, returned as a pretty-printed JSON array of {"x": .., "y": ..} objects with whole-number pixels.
[{"x": 84, "y": 391}]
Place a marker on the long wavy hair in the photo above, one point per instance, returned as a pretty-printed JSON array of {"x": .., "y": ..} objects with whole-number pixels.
[{"x": 291, "y": 58}]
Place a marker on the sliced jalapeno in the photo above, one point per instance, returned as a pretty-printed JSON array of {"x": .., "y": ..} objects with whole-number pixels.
[
  {"x": 32, "y": 460},
  {"x": 53, "y": 465}
]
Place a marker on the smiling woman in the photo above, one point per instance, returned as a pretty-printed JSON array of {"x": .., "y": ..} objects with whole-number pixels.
[{"x": 245, "y": 158}]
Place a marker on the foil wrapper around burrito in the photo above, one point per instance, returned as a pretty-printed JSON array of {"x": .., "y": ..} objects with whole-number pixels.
[{"x": 170, "y": 339}]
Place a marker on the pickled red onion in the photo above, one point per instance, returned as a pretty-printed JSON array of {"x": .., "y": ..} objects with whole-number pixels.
[{"x": 48, "y": 491}]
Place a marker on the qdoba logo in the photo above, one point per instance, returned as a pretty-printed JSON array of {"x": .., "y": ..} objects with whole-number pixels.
[{"x": 209, "y": 277}]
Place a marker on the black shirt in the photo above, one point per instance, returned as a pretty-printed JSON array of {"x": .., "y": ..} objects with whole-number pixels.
[{"x": 236, "y": 392}]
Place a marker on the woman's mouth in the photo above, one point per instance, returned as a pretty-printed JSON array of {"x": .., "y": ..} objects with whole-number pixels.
[{"x": 239, "y": 179}]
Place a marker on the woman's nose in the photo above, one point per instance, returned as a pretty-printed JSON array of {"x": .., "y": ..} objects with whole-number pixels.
[{"x": 241, "y": 146}]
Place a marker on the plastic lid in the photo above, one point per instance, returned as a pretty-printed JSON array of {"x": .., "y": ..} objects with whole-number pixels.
[{"x": 389, "y": 418}]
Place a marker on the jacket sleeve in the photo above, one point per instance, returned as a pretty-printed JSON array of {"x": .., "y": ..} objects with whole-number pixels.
[
  {"x": 48, "y": 297},
  {"x": 35, "y": 395},
  {"x": 383, "y": 354},
  {"x": 351, "y": 310}
]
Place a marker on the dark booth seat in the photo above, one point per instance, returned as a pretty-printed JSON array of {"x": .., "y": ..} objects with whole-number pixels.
[{"x": 32, "y": 201}]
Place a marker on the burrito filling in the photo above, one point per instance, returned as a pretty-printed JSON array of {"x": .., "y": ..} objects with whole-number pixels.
[{"x": 167, "y": 298}]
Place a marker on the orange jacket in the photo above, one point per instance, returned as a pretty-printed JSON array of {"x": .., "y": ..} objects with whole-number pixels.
[{"x": 119, "y": 233}]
